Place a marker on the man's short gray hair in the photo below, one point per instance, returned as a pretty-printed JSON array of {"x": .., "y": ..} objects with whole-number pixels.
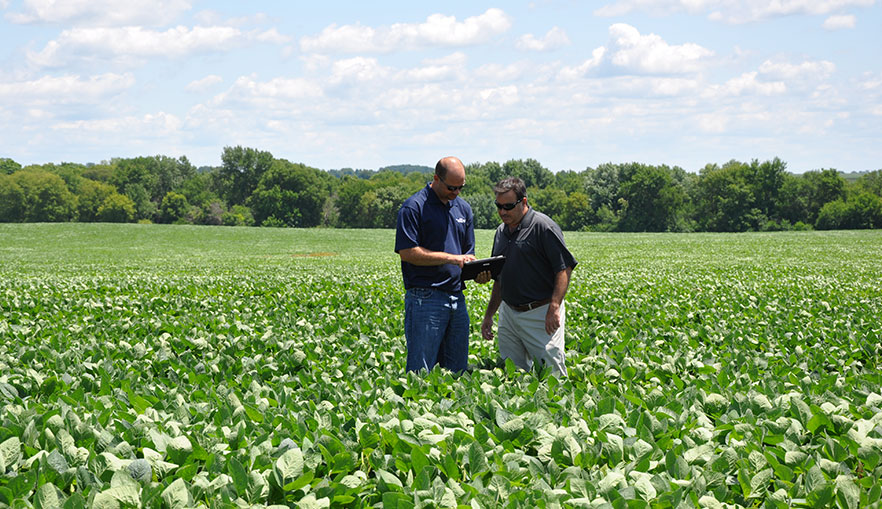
[{"x": 511, "y": 184}]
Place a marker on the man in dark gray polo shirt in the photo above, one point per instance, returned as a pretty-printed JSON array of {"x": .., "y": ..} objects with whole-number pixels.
[{"x": 529, "y": 292}]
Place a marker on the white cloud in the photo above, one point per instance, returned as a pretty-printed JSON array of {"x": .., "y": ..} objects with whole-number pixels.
[
  {"x": 148, "y": 125},
  {"x": 277, "y": 93},
  {"x": 100, "y": 12},
  {"x": 204, "y": 84},
  {"x": 123, "y": 43},
  {"x": 631, "y": 51},
  {"x": 807, "y": 70},
  {"x": 732, "y": 11},
  {"x": 555, "y": 38},
  {"x": 65, "y": 89},
  {"x": 501, "y": 96},
  {"x": 746, "y": 84},
  {"x": 573, "y": 72},
  {"x": 840, "y": 22},
  {"x": 438, "y": 30},
  {"x": 355, "y": 70}
]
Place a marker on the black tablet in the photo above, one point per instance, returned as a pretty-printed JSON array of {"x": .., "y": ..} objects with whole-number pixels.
[{"x": 471, "y": 269}]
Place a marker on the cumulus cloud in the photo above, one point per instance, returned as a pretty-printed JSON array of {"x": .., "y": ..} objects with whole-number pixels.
[
  {"x": 746, "y": 84},
  {"x": 65, "y": 89},
  {"x": 204, "y": 84},
  {"x": 805, "y": 71},
  {"x": 577, "y": 71},
  {"x": 840, "y": 22},
  {"x": 100, "y": 12},
  {"x": 555, "y": 38},
  {"x": 732, "y": 11},
  {"x": 148, "y": 125},
  {"x": 630, "y": 52},
  {"x": 127, "y": 42},
  {"x": 437, "y": 30},
  {"x": 270, "y": 95},
  {"x": 650, "y": 54}
]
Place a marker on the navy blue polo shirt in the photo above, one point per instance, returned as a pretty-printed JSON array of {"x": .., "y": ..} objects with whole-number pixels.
[{"x": 425, "y": 221}]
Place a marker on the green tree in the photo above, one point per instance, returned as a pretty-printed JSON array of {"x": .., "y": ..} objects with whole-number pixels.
[
  {"x": 871, "y": 182},
  {"x": 44, "y": 197},
  {"x": 145, "y": 208},
  {"x": 291, "y": 193},
  {"x": 174, "y": 207},
  {"x": 349, "y": 202},
  {"x": 724, "y": 200},
  {"x": 241, "y": 172},
  {"x": 8, "y": 166},
  {"x": 11, "y": 200},
  {"x": 802, "y": 196},
  {"x": 577, "y": 214},
  {"x": 602, "y": 186},
  {"x": 654, "y": 200},
  {"x": 117, "y": 208},
  {"x": 483, "y": 210},
  {"x": 91, "y": 196},
  {"x": 549, "y": 201}
]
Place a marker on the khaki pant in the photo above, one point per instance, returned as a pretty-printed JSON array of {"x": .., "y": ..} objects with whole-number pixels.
[{"x": 522, "y": 338}]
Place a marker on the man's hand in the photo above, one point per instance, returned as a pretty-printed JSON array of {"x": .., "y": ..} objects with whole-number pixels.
[
  {"x": 461, "y": 259},
  {"x": 487, "y": 328},
  {"x": 483, "y": 277},
  {"x": 552, "y": 318}
]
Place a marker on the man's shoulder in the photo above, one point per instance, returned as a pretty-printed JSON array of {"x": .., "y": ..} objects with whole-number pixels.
[
  {"x": 416, "y": 200},
  {"x": 543, "y": 220}
]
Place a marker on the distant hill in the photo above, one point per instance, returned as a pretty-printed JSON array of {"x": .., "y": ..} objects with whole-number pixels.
[
  {"x": 366, "y": 174},
  {"x": 853, "y": 176}
]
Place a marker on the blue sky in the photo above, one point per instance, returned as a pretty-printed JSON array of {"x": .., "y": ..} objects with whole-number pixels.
[{"x": 365, "y": 85}]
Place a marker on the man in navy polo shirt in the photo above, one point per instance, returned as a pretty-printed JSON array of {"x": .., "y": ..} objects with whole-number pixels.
[{"x": 435, "y": 236}]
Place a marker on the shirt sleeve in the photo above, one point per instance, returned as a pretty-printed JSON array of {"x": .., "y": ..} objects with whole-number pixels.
[
  {"x": 468, "y": 246},
  {"x": 559, "y": 257},
  {"x": 407, "y": 232}
]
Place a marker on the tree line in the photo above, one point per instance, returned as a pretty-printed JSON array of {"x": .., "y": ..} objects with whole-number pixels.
[{"x": 253, "y": 188}]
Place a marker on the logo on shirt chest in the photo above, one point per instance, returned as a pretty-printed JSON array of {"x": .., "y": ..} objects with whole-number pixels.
[{"x": 460, "y": 220}]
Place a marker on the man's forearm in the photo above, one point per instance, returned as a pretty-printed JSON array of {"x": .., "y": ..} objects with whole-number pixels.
[
  {"x": 561, "y": 283},
  {"x": 422, "y": 256},
  {"x": 494, "y": 302}
]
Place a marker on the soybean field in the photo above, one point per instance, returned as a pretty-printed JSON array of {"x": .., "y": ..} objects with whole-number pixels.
[{"x": 186, "y": 366}]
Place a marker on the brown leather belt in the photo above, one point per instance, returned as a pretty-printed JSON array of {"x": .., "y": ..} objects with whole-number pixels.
[{"x": 530, "y": 305}]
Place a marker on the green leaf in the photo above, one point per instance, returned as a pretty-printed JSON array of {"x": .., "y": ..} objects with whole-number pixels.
[
  {"x": 253, "y": 414},
  {"x": 239, "y": 475},
  {"x": 49, "y": 497},
  {"x": 847, "y": 492},
  {"x": 394, "y": 500},
  {"x": 817, "y": 421},
  {"x": 288, "y": 467},
  {"x": 176, "y": 495},
  {"x": 759, "y": 483},
  {"x": 10, "y": 453},
  {"x": 418, "y": 460}
]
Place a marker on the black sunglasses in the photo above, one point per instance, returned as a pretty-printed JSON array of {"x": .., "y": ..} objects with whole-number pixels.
[
  {"x": 507, "y": 206},
  {"x": 449, "y": 187}
]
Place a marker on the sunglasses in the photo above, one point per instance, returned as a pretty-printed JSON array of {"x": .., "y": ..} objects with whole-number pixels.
[
  {"x": 449, "y": 187},
  {"x": 507, "y": 206}
]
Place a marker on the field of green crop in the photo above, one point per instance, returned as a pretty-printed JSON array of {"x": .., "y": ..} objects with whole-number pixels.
[{"x": 177, "y": 366}]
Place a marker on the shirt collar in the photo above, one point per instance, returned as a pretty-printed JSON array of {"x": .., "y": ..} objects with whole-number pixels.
[{"x": 432, "y": 197}]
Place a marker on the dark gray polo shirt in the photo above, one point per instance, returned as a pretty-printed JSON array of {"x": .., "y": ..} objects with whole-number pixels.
[{"x": 534, "y": 253}]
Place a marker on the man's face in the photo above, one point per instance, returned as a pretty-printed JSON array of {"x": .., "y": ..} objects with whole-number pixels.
[
  {"x": 454, "y": 180},
  {"x": 510, "y": 217}
]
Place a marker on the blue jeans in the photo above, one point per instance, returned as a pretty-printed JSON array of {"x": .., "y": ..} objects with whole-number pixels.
[{"x": 436, "y": 325}]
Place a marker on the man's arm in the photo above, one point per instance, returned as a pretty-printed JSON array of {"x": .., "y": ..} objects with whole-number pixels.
[
  {"x": 561, "y": 283},
  {"x": 492, "y": 307},
  {"x": 421, "y": 256}
]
